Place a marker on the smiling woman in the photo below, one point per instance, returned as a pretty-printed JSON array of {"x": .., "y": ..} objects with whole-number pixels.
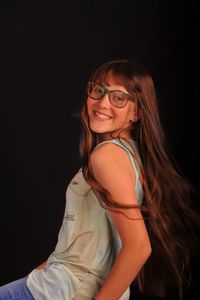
[{"x": 128, "y": 211}]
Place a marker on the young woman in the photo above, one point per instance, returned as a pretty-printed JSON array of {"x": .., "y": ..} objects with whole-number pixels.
[{"x": 128, "y": 213}]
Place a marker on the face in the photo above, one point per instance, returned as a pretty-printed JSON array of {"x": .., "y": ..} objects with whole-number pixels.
[{"x": 105, "y": 119}]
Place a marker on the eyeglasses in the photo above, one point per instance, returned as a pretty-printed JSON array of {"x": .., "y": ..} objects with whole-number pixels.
[{"x": 117, "y": 98}]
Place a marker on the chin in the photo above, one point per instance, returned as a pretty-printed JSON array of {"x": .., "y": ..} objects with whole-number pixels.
[{"x": 98, "y": 129}]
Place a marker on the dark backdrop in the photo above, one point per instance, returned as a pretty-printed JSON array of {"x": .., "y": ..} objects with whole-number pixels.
[{"x": 48, "y": 50}]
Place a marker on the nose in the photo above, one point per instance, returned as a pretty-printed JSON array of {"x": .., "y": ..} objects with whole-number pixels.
[{"x": 104, "y": 101}]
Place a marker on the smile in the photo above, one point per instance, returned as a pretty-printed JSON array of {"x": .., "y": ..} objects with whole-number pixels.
[{"x": 101, "y": 116}]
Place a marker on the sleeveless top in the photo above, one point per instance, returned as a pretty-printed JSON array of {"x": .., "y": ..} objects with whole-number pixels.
[{"x": 87, "y": 246}]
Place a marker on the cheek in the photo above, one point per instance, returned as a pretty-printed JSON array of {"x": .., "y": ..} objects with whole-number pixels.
[{"x": 88, "y": 105}]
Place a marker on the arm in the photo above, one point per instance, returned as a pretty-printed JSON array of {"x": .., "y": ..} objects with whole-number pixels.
[{"x": 113, "y": 170}]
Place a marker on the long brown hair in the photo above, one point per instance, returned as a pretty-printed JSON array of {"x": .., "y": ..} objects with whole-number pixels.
[{"x": 166, "y": 206}]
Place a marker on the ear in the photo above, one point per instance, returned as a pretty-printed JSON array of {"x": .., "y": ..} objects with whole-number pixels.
[
  {"x": 133, "y": 120},
  {"x": 134, "y": 114},
  {"x": 136, "y": 117}
]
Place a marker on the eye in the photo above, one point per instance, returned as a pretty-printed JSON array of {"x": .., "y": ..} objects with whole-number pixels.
[
  {"x": 98, "y": 89},
  {"x": 117, "y": 96}
]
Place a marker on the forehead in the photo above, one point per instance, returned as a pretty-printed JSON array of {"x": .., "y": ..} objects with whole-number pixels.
[
  {"x": 106, "y": 77},
  {"x": 111, "y": 80},
  {"x": 114, "y": 84},
  {"x": 116, "y": 77}
]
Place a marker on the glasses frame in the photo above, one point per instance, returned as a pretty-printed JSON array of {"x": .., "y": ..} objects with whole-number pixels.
[{"x": 109, "y": 92}]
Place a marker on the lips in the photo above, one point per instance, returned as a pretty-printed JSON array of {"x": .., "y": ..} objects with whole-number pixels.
[{"x": 101, "y": 116}]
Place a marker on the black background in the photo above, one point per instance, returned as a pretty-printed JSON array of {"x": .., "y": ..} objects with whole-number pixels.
[{"x": 48, "y": 50}]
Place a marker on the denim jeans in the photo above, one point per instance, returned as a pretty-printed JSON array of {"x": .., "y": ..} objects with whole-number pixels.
[{"x": 15, "y": 290}]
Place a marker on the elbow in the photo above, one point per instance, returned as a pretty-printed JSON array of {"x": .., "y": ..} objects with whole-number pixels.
[
  {"x": 137, "y": 255},
  {"x": 142, "y": 250},
  {"x": 145, "y": 248}
]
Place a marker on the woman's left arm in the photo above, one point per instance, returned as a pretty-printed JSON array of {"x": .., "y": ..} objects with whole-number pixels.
[
  {"x": 113, "y": 170},
  {"x": 132, "y": 256}
]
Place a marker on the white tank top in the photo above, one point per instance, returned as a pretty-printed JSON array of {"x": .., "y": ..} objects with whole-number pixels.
[{"x": 87, "y": 246}]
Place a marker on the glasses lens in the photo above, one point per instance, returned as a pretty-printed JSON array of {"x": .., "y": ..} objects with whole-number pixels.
[
  {"x": 95, "y": 91},
  {"x": 118, "y": 99}
]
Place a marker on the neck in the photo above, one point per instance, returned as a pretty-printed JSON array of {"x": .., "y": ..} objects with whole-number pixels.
[{"x": 112, "y": 135}]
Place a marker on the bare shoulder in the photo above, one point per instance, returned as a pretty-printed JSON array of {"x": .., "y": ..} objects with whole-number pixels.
[
  {"x": 109, "y": 153},
  {"x": 112, "y": 168}
]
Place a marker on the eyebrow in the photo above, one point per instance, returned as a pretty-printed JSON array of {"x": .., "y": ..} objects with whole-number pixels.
[
  {"x": 107, "y": 83},
  {"x": 117, "y": 89}
]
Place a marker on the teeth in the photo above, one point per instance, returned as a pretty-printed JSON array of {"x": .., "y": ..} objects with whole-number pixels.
[{"x": 103, "y": 117}]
